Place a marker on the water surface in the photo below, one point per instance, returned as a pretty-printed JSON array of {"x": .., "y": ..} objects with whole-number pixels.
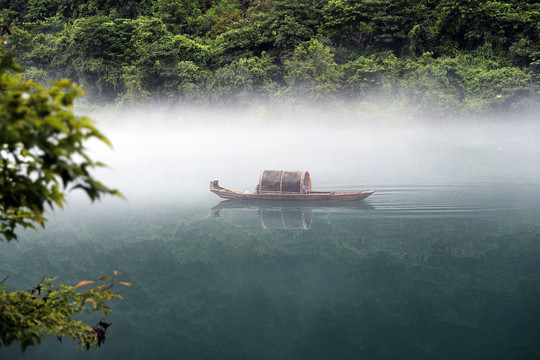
[{"x": 443, "y": 261}]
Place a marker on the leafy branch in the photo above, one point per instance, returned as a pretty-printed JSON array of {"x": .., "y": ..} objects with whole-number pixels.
[
  {"x": 42, "y": 149},
  {"x": 42, "y": 156},
  {"x": 27, "y": 316}
]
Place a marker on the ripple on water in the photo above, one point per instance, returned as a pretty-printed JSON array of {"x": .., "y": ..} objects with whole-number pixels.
[{"x": 454, "y": 200}]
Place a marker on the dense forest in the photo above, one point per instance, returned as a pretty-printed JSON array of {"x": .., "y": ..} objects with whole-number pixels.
[{"x": 442, "y": 57}]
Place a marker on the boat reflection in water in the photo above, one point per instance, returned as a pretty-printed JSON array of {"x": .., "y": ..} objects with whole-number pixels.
[
  {"x": 283, "y": 215},
  {"x": 285, "y": 218}
]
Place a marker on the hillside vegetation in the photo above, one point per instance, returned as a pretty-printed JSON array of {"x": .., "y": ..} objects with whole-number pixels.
[{"x": 442, "y": 57}]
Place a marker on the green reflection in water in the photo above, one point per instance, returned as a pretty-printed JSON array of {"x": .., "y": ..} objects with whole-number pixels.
[{"x": 358, "y": 283}]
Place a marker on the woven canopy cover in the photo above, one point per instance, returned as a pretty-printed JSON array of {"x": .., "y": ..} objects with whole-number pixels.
[{"x": 281, "y": 181}]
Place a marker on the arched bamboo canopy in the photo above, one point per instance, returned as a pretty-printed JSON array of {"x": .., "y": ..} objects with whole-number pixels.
[{"x": 281, "y": 181}]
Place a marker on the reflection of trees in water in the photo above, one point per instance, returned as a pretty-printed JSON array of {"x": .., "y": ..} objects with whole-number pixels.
[
  {"x": 384, "y": 288},
  {"x": 351, "y": 286},
  {"x": 422, "y": 286}
]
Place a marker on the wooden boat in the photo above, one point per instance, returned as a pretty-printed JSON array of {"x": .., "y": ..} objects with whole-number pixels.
[
  {"x": 279, "y": 185},
  {"x": 318, "y": 206}
]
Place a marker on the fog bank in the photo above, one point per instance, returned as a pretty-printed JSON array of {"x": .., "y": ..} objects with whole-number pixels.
[{"x": 161, "y": 155}]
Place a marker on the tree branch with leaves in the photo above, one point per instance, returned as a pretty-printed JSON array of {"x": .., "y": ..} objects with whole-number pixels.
[
  {"x": 42, "y": 149},
  {"x": 43, "y": 155},
  {"x": 27, "y": 316}
]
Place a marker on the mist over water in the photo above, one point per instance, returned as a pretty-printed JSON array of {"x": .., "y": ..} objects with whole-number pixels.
[
  {"x": 441, "y": 262},
  {"x": 173, "y": 155}
]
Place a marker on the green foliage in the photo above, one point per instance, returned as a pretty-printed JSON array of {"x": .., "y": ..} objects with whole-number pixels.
[
  {"x": 374, "y": 73},
  {"x": 41, "y": 9},
  {"x": 42, "y": 150},
  {"x": 20, "y": 42},
  {"x": 471, "y": 24},
  {"x": 26, "y": 317},
  {"x": 42, "y": 156},
  {"x": 248, "y": 41},
  {"x": 222, "y": 17},
  {"x": 292, "y": 22},
  {"x": 129, "y": 9},
  {"x": 312, "y": 71},
  {"x": 469, "y": 84},
  {"x": 97, "y": 47},
  {"x": 380, "y": 24},
  {"x": 244, "y": 78},
  {"x": 186, "y": 49},
  {"x": 176, "y": 13},
  {"x": 133, "y": 89},
  {"x": 190, "y": 80},
  {"x": 36, "y": 74},
  {"x": 166, "y": 64}
]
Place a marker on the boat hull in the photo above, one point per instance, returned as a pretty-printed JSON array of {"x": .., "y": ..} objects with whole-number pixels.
[{"x": 318, "y": 196}]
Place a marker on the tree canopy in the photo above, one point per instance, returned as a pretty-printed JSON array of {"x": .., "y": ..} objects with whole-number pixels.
[{"x": 182, "y": 50}]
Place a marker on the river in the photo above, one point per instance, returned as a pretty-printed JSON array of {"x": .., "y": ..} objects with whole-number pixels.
[{"x": 442, "y": 261}]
